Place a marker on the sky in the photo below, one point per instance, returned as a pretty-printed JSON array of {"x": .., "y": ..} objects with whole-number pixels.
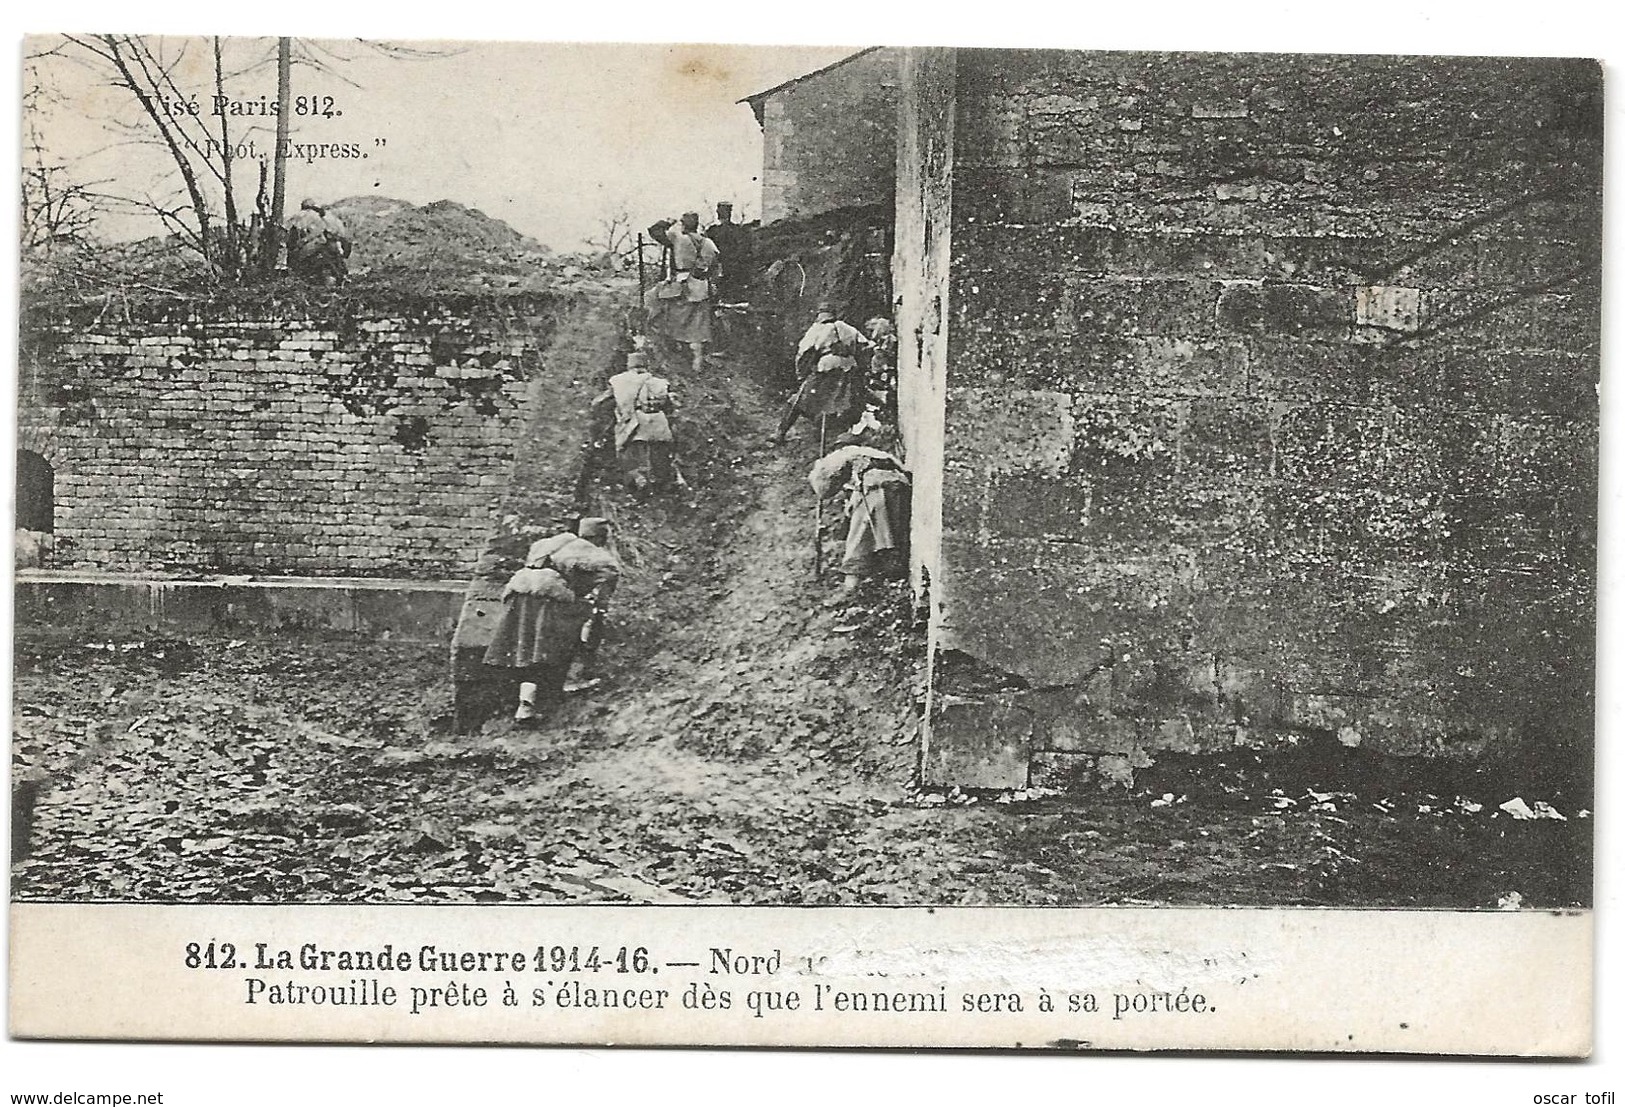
[{"x": 548, "y": 137}]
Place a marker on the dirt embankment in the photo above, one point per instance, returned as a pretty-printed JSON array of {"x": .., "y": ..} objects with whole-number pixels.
[{"x": 747, "y": 744}]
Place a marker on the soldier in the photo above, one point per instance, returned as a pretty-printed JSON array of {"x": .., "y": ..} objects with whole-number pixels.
[
  {"x": 552, "y": 613},
  {"x": 831, "y": 377},
  {"x": 883, "y": 365},
  {"x": 679, "y": 307},
  {"x": 643, "y": 435},
  {"x": 733, "y": 245},
  {"x": 318, "y": 245},
  {"x": 876, "y": 497}
]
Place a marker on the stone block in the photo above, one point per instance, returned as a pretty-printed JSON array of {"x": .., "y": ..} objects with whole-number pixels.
[
  {"x": 1118, "y": 769},
  {"x": 975, "y": 744},
  {"x": 1283, "y": 309},
  {"x": 1029, "y": 195},
  {"x": 1189, "y": 367},
  {"x": 1012, "y": 298},
  {"x": 1292, "y": 369},
  {"x": 1151, "y": 253},
  {"x": 964, "y": 497},
  {"x": 1015, "y": 430},
  {"x": 999, "y": 600},
  {"x": 1225, "y": 442},
  {"x": 1111, "y": 308},
  {"x": 1028, "y": 505},
  {"x": 1074, "y": 732},
  {"x": 1389, "y": 308},
  {"x": 1120, "y": 435},
  {"x": 1219, "y": 109}
]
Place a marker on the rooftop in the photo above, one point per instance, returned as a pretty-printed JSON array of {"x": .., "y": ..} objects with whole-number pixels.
[{"x": 755, "y": 99}]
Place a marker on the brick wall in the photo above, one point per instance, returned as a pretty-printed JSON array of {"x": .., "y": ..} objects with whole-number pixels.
[
  {"x": 828, "y": 141},
  {"x": 1271, "y": 408},
  {"x": 350, "y": 439}
]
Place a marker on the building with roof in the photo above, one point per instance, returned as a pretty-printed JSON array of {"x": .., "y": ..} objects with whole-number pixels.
[
  {"x": 1250, "y": 399},
  {"x": 829, "y": 137}
]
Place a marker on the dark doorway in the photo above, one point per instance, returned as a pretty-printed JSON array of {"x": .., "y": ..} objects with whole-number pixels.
[{"x": 36, "y": 492}]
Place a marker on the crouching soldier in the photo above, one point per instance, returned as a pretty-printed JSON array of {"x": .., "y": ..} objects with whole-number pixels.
[
  {"x": 551, "y": 609},
  {"x": 318, "y": 245},
  {"x": 877, "y": 498}
]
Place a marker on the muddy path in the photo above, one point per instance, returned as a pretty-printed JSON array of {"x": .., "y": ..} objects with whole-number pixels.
[{"x": 746, "y": 744}]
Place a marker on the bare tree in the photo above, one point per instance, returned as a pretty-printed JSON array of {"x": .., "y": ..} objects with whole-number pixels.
[
  {"x": 201, "y": 207},
  {"x": 57, "y": 211},
  {"x": 279, "y": 187},
  {"x": 168, "y": 117},
  {"x": 613, "y": 233}
]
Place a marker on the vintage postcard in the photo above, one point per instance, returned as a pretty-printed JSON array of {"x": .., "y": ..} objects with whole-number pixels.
[{"x": 805, "y": 546}]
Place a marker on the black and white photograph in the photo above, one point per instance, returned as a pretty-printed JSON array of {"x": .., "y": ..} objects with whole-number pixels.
[{"x": 481, "y": 474}]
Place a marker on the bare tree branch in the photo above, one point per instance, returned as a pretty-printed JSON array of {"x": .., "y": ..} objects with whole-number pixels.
[
  {"x": 147, "y": 97},
  {"x": 160, "y": 82}
]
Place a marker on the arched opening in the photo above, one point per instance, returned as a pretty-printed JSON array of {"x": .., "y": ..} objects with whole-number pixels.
[
  {"x": 36, "y": 492},
  {"x": 36, "y": 509}
]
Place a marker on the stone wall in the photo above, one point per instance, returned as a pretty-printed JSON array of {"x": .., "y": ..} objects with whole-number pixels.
[
  {"x": 828, "y": 140},
  {"x": 1271, "y": 409},
  {"x": 333, "y": 437}
]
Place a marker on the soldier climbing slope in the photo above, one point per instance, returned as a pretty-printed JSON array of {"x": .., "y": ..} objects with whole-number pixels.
[
  {"x": 552, "y": 613},
  {"x": 827, "y": 361},
  {"x": 679, "y": 307},
  {"x": 643, "y": 434}
]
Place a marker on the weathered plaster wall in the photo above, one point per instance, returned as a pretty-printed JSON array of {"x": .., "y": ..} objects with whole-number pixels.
[
  {"x": 1271, "y": 408},
  {"x": 828, "y": 142},
  {"x": 344, "y": 439},
  {"x": 920, "y": 266}
]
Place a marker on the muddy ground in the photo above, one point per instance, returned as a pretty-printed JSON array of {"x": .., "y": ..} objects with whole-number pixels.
[
  {"x": 747, "y": 744},
  {"x": 231, "y": 771}
]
